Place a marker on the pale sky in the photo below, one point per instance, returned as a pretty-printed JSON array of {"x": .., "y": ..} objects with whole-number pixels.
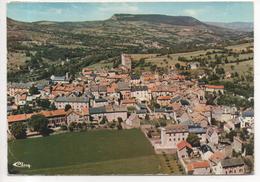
[{"x": 204, "y": 11}]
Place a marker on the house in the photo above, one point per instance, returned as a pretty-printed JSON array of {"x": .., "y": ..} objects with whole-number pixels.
[
  {"x": 229, "y": 126},
  {"x": 198, "y": 168},
  {"x": 14, "y": 88},
  {"x": 87, "y": 71},
  {"x": 246, "y": 119},
  {"x": 171, "y": 135},
  {"x": 132, "y": 121},
  {"x": 214, "y": 88},
  {"x": 100, "y": 102},
  {"x": 20, "y": 99},
  {"x": 164, "y": 100},
  {"x": 142, "y": 113},
  {"x": 205, "y": 151},
  {"x": 199, "y": 131},
  {"x": 237, "y": 144},
  {"x": 124, "y": 89},
  {"x": 76, "y": 103},
  {"x": 175, "y": 99},
  {"x": 141, "y": 110},
  {"x": 162, "y": 90},
  {"x": 18, "y": 118},
  {"x": 183, "y": 149},
  {"x": 212, "y": 136},
  {"x": 214, "y": 160},
  {"x": 110, "y": 112},
  {"x": 56, "y": 118},
  {"x": 194, "y": 65},
  {"x": 140, "y": 93},
  {"x": 159, "y": 113},
  {"x": 128, "y": 102},
  {"x": 184, "y": 118},
  {"x": 135, "y": 79},
  {"x": 60, "y": 79},
  {"x": 232, "y": 166},
  {"x": 78, "y": 117}
]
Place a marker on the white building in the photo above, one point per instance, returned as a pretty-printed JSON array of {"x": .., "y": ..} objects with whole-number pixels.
[{"x": 172, "y": 135}]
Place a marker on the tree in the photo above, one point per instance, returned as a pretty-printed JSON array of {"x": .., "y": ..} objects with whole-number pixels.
[
  {"x": 72, "y": 126},
  {"x": 104, "y": 120},
  {"x": 18, "y": 130},
  {"x": 249, "y": 147},
  {"x": 33, "y": 90},
  {"x": 147, "y": 117},
  {"x": 231, "y": 135},
  {"x": 39, "y": 123},
  {"x": 163, "y": 123},
  {"x": 120, "y": 121},
  {"x": 53, "y": 107},
  {"x": 193, "y": 139},
  {"x": 67, "y": 107},
  {"x": 177, "y": 65},
  {"x": 45, "y": 103}
]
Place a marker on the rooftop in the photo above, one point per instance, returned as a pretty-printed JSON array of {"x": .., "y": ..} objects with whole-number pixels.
[
  {"x": 232, "y": 162},
  {"x": 72, "y": 99}
]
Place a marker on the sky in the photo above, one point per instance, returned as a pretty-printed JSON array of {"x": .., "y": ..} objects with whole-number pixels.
[{"x": 203, "y": 11}]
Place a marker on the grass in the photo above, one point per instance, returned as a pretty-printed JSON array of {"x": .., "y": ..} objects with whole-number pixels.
[
  {"x": 89, "y": 153},
  {"x": 170, "y": 165}
]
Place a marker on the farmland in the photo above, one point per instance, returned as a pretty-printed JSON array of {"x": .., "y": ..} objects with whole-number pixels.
[{"x": 88, "y": 153}]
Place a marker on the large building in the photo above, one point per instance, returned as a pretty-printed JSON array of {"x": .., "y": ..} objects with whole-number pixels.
[
  {"x": 172, "y": 135},
  {"x": 76, "y": 103}
]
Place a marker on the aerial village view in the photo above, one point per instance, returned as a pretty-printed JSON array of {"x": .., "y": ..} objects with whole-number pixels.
[{"x": 138, "y": 94}]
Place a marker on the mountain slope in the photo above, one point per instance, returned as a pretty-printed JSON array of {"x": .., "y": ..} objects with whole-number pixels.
[
  {"x": 43, "y": 44},
  {"x": 240, "y": 26}
]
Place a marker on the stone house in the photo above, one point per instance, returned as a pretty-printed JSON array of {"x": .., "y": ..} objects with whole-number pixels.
[
  {"x": 183, "y": 149},
  {"x": 171, "y": 135},
  {"x": 212, "y": 136},
  {"x": 237, "y": 144},
  {"x": 76, "y": 103},
  {"x": 140, "y": 93},
  {"x": 233, "y": 166}
]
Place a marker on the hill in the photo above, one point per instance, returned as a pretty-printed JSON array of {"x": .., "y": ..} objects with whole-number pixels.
[
  {"x": 36, "y": 50},
  {"x": 240, "y": 26}
]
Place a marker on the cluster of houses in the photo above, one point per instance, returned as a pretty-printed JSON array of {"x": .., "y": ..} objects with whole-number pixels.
[
  {"x": 117, "y": 93},
  {"x": 213, "y": 156}
]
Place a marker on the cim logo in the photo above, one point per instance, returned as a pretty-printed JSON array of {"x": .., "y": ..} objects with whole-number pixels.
[{"x": 21, "y": 165}]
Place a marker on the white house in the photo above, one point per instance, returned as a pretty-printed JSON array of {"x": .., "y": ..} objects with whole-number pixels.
[{"x": 246, "y": 119}]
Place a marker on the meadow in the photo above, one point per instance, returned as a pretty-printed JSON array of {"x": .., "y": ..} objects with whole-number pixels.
[{"x": 86, "y": 153}]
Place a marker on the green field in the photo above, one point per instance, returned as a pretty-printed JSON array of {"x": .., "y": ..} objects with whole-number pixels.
[{"x": 89, "y": 153}]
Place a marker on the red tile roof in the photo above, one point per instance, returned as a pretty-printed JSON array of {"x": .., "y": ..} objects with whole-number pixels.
[
  {"x": 18, "y": 117},
  {"x": 54, "y": 113},
  {"x": 164, "y": 98},
  {"x": 215, "y": 86},
  {"x": 183, "y": 144},
  {"x": 198, "y": 164},
  {"x": 128, "y": 101},
  {"x": 23, "y": 117}
]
